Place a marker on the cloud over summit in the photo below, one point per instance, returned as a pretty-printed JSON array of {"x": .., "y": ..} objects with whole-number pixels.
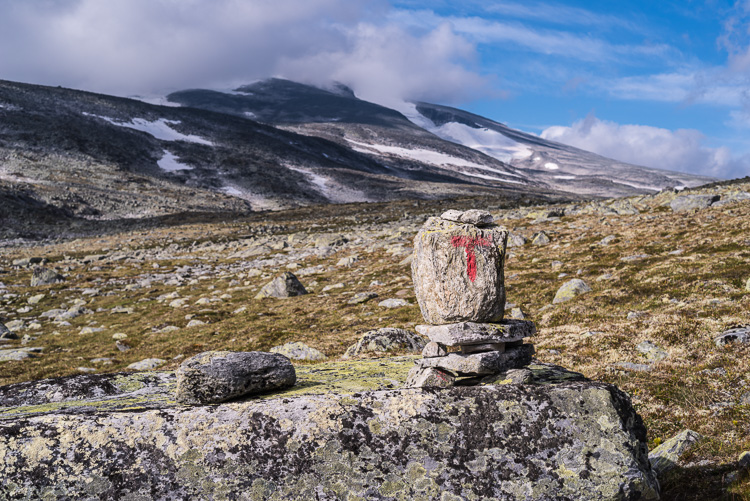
[{"x": 154, "y": 46}]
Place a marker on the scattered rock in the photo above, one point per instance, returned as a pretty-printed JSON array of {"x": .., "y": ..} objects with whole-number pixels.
[
  {"x": 332, "y": 286},
  {"x": 347, "y": 261},
  {"x": 217, "y": 376},
  {"x": 607, "y": 240},
  {"x": 393, "y": 303},
  {"x": 634, "y": 315},
  {"x": 739, "y": 334},
  {"x": 285, "y": 285},
  {"x": 362, "y": 297},
  {"x": 384, "y": 340},
  {"x": 540, "y": 238},
  {"x": 687, "y": 203},
  {"x": 119, "y": 336},
  {"x": 36, "y": 299},
  {"x": 458, "y": 272},
  {"x": 195, "y": 323},
  {"x": 18, "y": 354},
  {"x": 666, "y": 456},
  {"x": 146, "y": 364},
  {"x": 45, "y": 276},
  {"x": 635, "y": 367},
  {"x": 571, "y": 289},
  {"x": 747, "y": 285},
  {"x": 517, "y": 314},
  {"x": 652, "y": 351},
  {"x": 636, "y": 257},
  {"x": 122, "y": 346},
  {"x": 299, "y": 351},
  {"x": 6, "y": 333},
  {"x": 516, "y": 240}
]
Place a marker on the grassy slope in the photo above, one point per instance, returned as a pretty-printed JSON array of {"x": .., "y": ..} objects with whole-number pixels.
[{"x": 685, "y": 298}]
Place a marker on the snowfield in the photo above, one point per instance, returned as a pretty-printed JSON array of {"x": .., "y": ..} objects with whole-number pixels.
[
  {"x": 160, "y": 129},
  {"x": 170, "y": 163}
]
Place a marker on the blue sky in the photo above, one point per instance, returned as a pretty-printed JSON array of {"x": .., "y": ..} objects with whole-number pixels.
[
  {"x": 659, "y": 65},
  {"x": 658, "y": 83}
]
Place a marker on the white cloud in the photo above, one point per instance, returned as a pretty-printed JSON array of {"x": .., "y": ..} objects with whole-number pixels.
[
  {"x": 680, "y": 150},
  {"x": 154, "y": 46}
]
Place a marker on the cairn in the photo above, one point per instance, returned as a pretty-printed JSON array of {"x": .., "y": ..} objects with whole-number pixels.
[{"x": 459, "y": 283}]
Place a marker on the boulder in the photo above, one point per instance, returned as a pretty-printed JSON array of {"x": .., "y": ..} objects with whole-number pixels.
[
  {"x": 540, "y": 238},
  {"x": 45, "y": 276},
  {"x": 217, "y": 376},
  {"x": 651, "y": 351},
  {"x": 147, "y": 364},
  {"x": 463, "y": 333},
  {"x": 6, "y": 333},
  {"x": 285, "y": 285},
  {"x": 362, "y": 297},
  {"x": 393, "y": 303},
  {"x": 666, "y": 456},
  {"x": 516, "y": 240},
  {"x": 298, "y": 351},
  {"x": 571, "y": 289},
  {"x": 458, "y": 272},
  {"x": 346, "y": 430},
  {"x": 739, "y": 334},
  {"x": 384, "y": 340},
  {"x": 688, "y": 203}
]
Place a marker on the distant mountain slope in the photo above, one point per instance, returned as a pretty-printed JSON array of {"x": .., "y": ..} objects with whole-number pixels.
[
  {"x": 101, "y": 157},
  {"x": 386, "y": 135},
  {"x": 560, "y": 166},
  {"x": 447, "y": 138}
]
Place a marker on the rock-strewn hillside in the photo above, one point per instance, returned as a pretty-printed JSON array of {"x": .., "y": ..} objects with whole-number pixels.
[{"x": 666, "y": 276}]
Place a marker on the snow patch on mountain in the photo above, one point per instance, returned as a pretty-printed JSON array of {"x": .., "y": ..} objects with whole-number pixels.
[
  {"x": 170, "y": 163},
  {"x": 160, "y": 129},
  {"x": 551, "y": 166},
  {"x": 333, "y": 191}
]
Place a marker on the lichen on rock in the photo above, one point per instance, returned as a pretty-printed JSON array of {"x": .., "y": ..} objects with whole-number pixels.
[{"x": 563, "y": 438}]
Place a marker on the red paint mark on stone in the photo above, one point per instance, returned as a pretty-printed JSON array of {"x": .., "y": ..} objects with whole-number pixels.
[{"x": 469, "y": 243}]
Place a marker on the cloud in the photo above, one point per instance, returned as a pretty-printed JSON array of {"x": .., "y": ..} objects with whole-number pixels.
[
  {"x": 680, "y": 150},
  {"x": 130, "y": 47}
]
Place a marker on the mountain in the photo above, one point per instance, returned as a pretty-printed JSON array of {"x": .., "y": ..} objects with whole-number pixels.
[
  {"x": 69, "y": 156},
  {"x": 558, "y": 165},
  {"x": 509, "y": 155},
  {"x": 89, "y": 156}
]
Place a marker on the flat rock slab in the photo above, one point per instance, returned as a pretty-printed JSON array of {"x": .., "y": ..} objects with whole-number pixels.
[
  {"x": 467, "y": 333},
  {"x": 458, "y": 272},
  {"x": 562, "y": 439},
  {"x": 479, "y": 364},
  {"x": 733, "y": 335},
  {"x": 217, "y": 376}
]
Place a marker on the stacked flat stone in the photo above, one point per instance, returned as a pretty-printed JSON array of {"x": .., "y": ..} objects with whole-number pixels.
[{"x": 459, "y": 283}]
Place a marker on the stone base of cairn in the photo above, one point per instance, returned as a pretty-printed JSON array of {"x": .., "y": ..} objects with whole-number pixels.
[
  {"x": 459, "y": 283},
  {"x": 469, "y": 349}
]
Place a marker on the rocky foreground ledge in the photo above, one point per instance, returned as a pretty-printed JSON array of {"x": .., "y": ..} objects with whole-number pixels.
[{"x": 345, "y": 431}]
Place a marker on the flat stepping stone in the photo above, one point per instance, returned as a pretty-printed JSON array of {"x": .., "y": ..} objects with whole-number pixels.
[
  {"x": 468, "y": 333},
  {"x": 477, "y": 364}
]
